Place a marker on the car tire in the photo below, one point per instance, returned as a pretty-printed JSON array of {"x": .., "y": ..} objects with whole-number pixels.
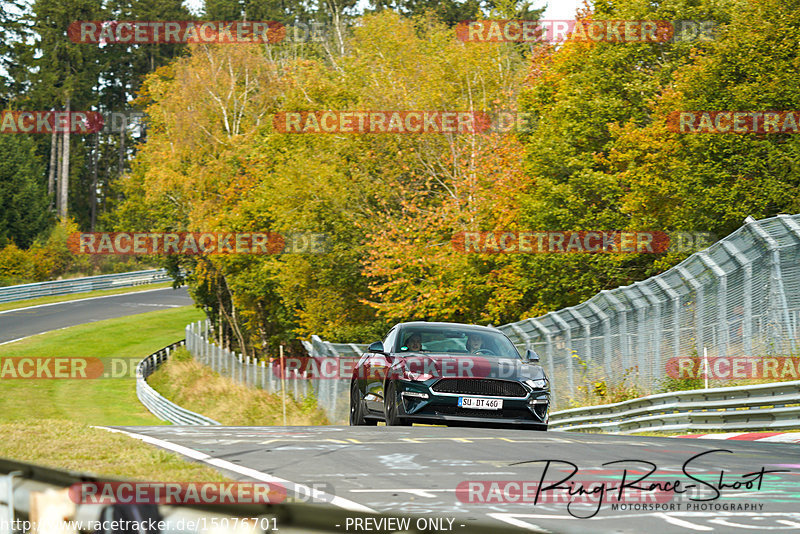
[
  {"x": 391, "y": 406},
  {"x": 357, "y": 408}
]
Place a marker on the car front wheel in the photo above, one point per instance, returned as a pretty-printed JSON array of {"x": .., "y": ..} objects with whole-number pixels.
[
  {"x": 357, "y": 408},
  {"x": 391, "y": 406}
]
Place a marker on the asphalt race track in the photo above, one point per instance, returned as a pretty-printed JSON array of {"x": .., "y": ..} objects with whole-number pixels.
[
  {"x": 400, "y": 471},
  {"x": 24, "y": 322}
]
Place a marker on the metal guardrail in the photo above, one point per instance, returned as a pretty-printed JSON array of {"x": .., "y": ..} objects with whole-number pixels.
[
  {"x": 19, "y": 480},
  {"x": 157, "y": 404},
  {"x": 774, "y": 406},
  {"x": 80, "y": 285}
]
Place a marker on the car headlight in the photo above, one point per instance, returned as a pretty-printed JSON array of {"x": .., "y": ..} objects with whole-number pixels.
[
  {"x": 416, "y": 377},
  {"x": 537, "y": 383},
  {"x": 404, "y": 373}
]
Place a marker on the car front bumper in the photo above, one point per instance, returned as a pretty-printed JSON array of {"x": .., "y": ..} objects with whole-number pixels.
[{"x": 420, "y": 404}]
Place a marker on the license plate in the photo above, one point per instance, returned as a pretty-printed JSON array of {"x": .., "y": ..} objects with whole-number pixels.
[{"x": 480, "y": 404}]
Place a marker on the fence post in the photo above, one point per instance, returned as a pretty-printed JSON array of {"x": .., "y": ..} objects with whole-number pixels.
[
  {"x": 270, "y": 386},
  {"x": 606, "y": 322},
  {"x": 548, "y": 336},
  {"x": 567, "y": 331},
  {"x": 654, "y": 329},
  {"x": 699, "y": 305},
  {"x": 263, "y": 374},
  {"x": 722, "y": 295},
  {"x": 622, "y": 326}
]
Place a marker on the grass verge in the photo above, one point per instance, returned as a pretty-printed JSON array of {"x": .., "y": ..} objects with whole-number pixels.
[
  {"x": 687, "y": 432},
  {"x": 196, "y": 387},
  {"x": 66, "y": 444},
  {"x": 80, "y": 296},
  {"x": 47, "y": 422},
  {"x": 108, "y": 401}
]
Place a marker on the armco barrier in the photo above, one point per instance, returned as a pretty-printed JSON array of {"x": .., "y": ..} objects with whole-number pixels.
[
  {"x": 80, "y": 285},
  {"x": 773, "y": 406},
  {"x": 20, "y": 480},
  {"x": 153, "y": 401}
]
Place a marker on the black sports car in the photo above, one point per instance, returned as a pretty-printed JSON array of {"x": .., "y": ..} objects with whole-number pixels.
[{"x": 448, "y": 373}]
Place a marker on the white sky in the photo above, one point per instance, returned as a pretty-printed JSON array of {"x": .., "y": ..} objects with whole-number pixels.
[
  {"x": 559, "y": 9},
  {"x": 556, "y": 9}
]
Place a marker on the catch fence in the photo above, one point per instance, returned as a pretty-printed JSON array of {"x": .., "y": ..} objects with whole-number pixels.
[
  {"x": 738, "y": 297},
  {"x": 332, "y": 394}
]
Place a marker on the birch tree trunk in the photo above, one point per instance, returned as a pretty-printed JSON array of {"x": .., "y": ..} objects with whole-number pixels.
[
  {"x": 122, "y": 145},
  {"x": 64, "y": 178},
  {"x": 93, "y": 195},
  {"x": 51, "y": 175}
]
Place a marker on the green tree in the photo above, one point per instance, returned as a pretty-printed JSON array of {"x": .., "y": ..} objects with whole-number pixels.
[
  {"x": 579, "y": 94},
  {"x": 23, "y": 201}
]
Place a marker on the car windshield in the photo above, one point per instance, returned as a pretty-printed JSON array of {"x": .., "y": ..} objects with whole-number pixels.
[{"x": 456, "y": 341}]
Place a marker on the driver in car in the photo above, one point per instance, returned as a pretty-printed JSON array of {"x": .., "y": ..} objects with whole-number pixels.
[
  {"x": 474, "y": 343},
  {"x": 414, "y": 343}
]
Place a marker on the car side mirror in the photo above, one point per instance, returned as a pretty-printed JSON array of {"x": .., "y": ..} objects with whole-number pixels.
[
  {"x": 376, "y": 347},
  {"x": 531, "y": 356}
]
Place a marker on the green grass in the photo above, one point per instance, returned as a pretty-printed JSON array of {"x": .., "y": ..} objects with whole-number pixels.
[
  {"x": 66, "y": 444},
  {"x": 99, "y": 401},
  {"x": 79, "y": 296},
  {"x": 49, "y": 422},
  {"x": 686, "y": 432},
  {"x": 199, "y": 388}
]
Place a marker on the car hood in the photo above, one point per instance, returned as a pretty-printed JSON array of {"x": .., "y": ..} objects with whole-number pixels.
[{"x": 468, "y": 366}]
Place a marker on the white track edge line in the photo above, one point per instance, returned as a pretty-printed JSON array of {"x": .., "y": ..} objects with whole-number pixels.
[
  {"x": 37, "y": 334},
  {"x": 77, "y": 300},
  {"x": 246, "y": 471}
]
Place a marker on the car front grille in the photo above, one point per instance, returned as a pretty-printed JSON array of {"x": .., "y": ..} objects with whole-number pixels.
[{"x": 480, "y": 386}]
